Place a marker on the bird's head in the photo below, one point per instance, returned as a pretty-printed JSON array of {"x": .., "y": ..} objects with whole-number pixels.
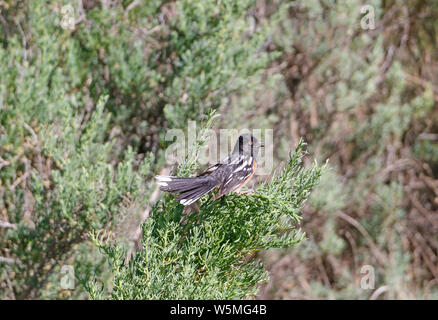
[{"x": 247, "y": 145}]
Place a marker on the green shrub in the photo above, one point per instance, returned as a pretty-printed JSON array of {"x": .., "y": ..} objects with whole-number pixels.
[
  {"x": 72, "y": 161},
  {"x": 207, "y": 254}
]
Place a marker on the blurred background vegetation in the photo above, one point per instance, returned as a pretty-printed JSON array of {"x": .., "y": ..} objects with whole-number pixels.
[{"x": 84, "y": 110}]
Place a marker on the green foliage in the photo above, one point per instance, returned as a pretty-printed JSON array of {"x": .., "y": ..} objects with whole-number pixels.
[
  {"x": 83, "y": 192},
  {"x": 364, "y": 99},
  {"x": 73, "y": 161},
  {"x": 206, "y": 254},
  {"x": 83, "y": 109}
]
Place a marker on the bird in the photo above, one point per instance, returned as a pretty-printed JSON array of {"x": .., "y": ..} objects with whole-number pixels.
[{"x": 228, "y": 175}]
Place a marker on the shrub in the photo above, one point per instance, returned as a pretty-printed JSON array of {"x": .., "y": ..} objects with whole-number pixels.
[
  {"x": 207, "y": 254},
  {"x": 83, "y": 108}
]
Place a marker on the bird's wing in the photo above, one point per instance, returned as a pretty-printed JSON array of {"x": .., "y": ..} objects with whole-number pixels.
[
  {"x": 238, "y": 175},
  {"x": 216, "y": 166},
  {"x": 210, "y": 169}
]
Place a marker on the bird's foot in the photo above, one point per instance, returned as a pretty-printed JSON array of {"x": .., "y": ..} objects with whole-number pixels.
[{"x": 188, "y": 210}]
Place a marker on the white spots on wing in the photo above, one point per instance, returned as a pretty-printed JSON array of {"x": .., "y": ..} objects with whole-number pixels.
[
  {"x": 212, "y": 168},
  {"x": 229, "y": 179},
  {"x": 164, "y": 184},
  {"x": 247, "y": 163},
  {"x": 242, "y": 171},
  {"x": 238, "y": 159},
  {"x": 225, "y": 161},
  {"x": 241, "y": 167}
]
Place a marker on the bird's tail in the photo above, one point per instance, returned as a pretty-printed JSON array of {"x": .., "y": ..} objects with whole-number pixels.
[{"x": 189, "y": 189}]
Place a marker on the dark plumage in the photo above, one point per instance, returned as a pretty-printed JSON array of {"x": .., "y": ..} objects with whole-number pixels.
[{"x": 228, "y": 175}]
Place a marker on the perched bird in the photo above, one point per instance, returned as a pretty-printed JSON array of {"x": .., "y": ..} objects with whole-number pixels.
[{"x": 230, "y": 174}]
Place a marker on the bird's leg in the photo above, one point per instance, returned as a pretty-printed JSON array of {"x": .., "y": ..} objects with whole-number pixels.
[
  {"x": 195, "y": 207},
  {"x": 188, "y": 210}
]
